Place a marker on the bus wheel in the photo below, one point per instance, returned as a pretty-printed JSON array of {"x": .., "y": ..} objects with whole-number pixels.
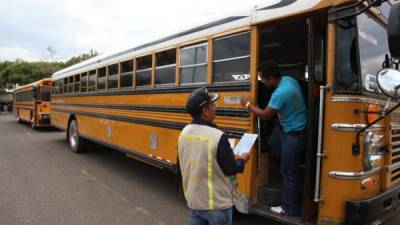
[
  {"x": 33, "y": 123},
  {"x": 76, "y": 143}
]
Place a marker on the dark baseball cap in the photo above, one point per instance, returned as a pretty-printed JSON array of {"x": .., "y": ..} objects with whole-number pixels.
[{"x": 198, "y": 99}]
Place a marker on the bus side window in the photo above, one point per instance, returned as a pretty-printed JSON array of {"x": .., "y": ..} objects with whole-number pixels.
[
  {"x": 143, "y": 72},
  {"x": 165, "y": 68},
  {"x": 126, "y": 73},
  {"x": 101, "y": 78},
  {"x": 231, "y": 58},
  {"x": 112, "y": 78},
  {"x": 193, "y": 64}
]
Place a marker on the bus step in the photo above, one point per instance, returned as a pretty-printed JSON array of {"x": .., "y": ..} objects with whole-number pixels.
[
  {"x": 264, "y": 211},
  {"x": 269, "y": 195}
]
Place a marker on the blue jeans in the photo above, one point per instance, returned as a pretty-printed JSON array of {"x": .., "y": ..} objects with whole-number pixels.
[
  {"x": 290, "y": 149},
  {"x": 210, "y": 217}
]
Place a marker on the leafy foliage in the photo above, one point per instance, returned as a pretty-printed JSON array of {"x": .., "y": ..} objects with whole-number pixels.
[{"x": 22, "y": 72}]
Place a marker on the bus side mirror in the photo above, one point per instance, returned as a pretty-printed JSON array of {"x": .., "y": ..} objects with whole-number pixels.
[
  {"x": 394, "y": 31},
  {"x": 389, "y": 82}
]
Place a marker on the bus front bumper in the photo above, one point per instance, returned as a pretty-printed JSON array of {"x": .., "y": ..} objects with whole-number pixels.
[{"x": 374, "y": 211}]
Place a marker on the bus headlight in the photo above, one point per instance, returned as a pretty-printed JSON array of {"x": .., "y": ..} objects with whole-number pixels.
[{"x": 372, "y": 157}]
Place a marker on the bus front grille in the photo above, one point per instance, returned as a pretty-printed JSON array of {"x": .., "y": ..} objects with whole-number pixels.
[{"x": 394, "y": 154}]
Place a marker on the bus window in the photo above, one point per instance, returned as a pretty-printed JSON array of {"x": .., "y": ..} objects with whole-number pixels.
[
  {"x": 71, "y": 84},
  {"x": 92, "y": 81},
  {"x": 143, "y": 72},
  {"x": 101, "y": 78},
  {"x": 193, "y": 64},
  {"x": 165, "y": 69},
  {"x": 77, "y": 80},
  {"x": 347, "y": 79},
  {"x": 126, "y": 74},
  {"x": 84, "y": 82},
  {"x": 112, "y": 76},
  {"x": 65, "y": 85},
  {"x": 231, "y": 58},
  {"x": 44, "y": 94}
]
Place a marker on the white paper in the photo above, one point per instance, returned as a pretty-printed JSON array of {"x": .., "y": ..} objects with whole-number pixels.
[{"x": 245, "y": 144}]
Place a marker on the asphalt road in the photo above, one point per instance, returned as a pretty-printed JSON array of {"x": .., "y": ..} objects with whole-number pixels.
[{"x": 43, "y": 183}]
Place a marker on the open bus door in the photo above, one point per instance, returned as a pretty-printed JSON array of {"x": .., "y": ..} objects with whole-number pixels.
[{"x": 299, "y": 49}]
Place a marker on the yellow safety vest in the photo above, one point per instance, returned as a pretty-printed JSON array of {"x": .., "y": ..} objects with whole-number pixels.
[{"x": 204, "y": 183}]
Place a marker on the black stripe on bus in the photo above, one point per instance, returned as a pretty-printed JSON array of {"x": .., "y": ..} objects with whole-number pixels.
[
  {"x": 155, "y": 123},
  {"x": 161, "y": 90},
  {"x": 172, "y": 109}
]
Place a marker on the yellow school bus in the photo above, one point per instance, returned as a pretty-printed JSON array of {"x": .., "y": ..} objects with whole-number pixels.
[
  {"x": 32, "y": 103},
  {"x": 134, "y": 101}
]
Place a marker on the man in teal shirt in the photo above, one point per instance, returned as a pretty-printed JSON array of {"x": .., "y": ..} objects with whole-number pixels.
[{"x": 287, "y": 102}]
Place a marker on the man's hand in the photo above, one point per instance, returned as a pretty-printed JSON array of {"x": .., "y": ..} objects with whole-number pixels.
[
  {"x": 245, "y": 157},
  {"x": 244, "y": 100}
]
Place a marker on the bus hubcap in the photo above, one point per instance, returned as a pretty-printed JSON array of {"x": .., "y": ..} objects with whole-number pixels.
[{"x": 73, "y": 136}]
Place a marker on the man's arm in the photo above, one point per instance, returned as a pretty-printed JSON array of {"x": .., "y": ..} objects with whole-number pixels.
[
  {"x": 267, "y": 113},
  {"x": 226, "y": 159}
]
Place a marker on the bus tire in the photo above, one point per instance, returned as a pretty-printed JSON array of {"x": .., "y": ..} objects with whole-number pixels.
[{"x": 76, "y": 143}]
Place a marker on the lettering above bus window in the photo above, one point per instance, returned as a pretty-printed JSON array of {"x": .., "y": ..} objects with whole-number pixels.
[{"x": 231, "y": 58}]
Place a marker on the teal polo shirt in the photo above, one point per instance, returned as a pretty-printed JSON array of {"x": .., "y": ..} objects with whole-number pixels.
[{"x": 289, "y": 101}]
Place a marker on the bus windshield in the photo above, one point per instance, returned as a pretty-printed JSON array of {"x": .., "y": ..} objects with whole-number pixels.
[
  {"x": 44, "y": 94},
  {"x": 373, "y": 46}
]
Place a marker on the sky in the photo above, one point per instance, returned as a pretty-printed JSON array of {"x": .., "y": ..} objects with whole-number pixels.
[{"x": 73, "y": 27}]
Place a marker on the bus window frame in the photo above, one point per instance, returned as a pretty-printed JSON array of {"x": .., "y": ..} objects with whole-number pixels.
[
  {"x": 114, "y": 75},
  {"x": 230, "y": 59},
  {"x": 165, "y": 66},
  {"x": 151, "y": 69},
  {"x": 338, "y": 65},
  {"x": 120, "y": 74},
  {"x": 206, "y": 63}
]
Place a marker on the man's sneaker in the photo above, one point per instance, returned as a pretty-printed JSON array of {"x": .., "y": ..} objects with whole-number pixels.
[{"x": 277, "y": 210}]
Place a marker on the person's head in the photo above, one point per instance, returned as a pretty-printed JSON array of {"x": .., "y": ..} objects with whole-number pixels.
[
  {"x": 201, "y": 105},
  {"x": 270, "y": 74}
]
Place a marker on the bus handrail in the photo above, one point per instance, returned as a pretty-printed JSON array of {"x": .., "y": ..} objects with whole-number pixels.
[{"x": 320, "y": 154}]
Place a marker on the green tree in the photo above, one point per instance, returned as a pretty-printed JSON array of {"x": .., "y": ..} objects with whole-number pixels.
[{"x": 80, "y": 58}]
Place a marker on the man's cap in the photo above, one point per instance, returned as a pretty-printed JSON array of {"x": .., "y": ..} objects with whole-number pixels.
[{"x": 198, "y": 99}]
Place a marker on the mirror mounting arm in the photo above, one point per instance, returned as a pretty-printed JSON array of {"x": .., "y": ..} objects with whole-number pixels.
[
  {"x": 367, "y": 4},
  {"x": 356, "y": 145}
]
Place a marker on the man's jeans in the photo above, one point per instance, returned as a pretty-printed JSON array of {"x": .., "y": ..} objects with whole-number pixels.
[
  {"x": 290, "y": 149},
  {"x": 210, "y": 217}
]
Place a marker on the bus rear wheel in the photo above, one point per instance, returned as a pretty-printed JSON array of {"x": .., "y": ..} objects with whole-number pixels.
[{"x": 76, "y": 143}]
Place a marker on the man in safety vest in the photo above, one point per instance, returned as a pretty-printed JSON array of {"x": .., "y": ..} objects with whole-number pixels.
[{"x": 207, "y": 164}]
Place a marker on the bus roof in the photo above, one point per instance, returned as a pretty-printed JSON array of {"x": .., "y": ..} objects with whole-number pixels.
[
  {"x": 262, "y": 12},
  {"x": 36, "y": 83}
]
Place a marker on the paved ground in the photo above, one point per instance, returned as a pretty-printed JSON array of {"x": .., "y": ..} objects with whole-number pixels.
[{"x": 43, "y": 183}]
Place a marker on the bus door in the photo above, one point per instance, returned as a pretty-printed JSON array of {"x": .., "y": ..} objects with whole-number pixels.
[{"x": 298, "y": 47}]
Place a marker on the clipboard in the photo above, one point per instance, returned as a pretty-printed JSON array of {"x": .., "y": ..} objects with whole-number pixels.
[{"x": 245, "y": 144}]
